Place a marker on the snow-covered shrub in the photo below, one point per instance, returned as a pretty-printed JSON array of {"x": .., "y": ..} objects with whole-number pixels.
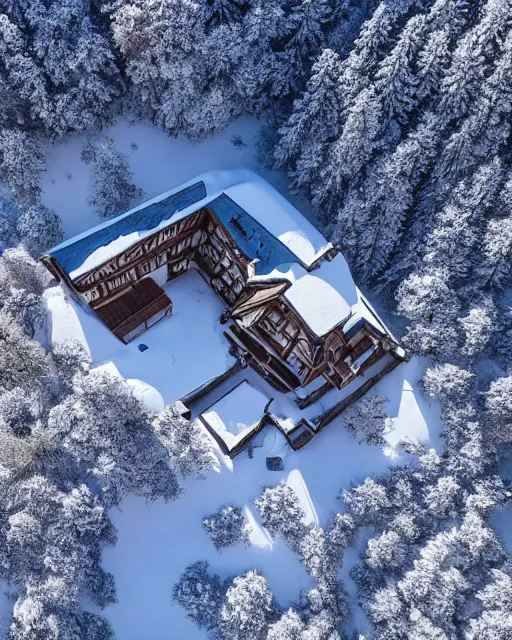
[
  {"x": 22, "y": 361},
  {"x": 324, "y": 607},
  {"x": 447, "y": 381},
  {"x": 282, "y": 514},
  {"x": 386, "y": 553},
  {"x": 201, "y": 594},
  {"x": 340, "y": 534},
  {"x": 18, "y": 410},
  {"x": 499, "y": 406},
  {"x": 226, "y": 527},
  {"x": 104, "y": 426},
  {"x": 477, "y": 327},
  {"x": 248, "y": 608},
  {"x": 441, "y": 497},
  {"x": 112, "y": 187},
  {"x": 288, "y": 627},
  {"x": 494, "y": 622},
  {"x": 27, "y": 309},
  {"x": 54, "y": 540},
  {"x": 368, "y": 502},
  {"x": 39, "y": 229},
  {"x": 188, "y": 444},
  {"x": 368, "y": 421},
  {"x": 71, "y": 357},
  {"x": 21, "y": 164},
  {"x": 314, "y": 555},
  {"x": 21, "y": 271}
]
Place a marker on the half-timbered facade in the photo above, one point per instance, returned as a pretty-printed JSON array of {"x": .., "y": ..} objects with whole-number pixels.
[{"x": 293, "y": 310}]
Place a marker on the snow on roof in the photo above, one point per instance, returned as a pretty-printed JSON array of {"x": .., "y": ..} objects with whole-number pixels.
[
  {"x": 324, "y": 297},
  {"x": 280, "y": 217},
  {"x": 266, "y": 227},
  {"x": 236, "y": 414},
  {"x": 252, "y": 193}
]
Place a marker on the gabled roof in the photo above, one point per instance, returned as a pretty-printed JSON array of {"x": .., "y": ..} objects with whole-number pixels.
[
  {"x": 74, "y": 252},
  {"x": 250, "y": 192},
  {"x": 250, "y": 236},
  {"x": 264, "y": 225}
]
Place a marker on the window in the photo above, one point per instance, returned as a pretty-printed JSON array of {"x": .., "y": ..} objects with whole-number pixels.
[
  {"x": 280, "y": 330},
  {"x": 300, "y": 368}
]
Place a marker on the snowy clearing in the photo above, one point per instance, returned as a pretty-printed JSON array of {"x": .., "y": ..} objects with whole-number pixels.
[
  {"x": 160, "y": 540},
  {"x": 159, "y": 162},
  {"x": 157, "y": 541},
  {"x": 170, "y": 364}
]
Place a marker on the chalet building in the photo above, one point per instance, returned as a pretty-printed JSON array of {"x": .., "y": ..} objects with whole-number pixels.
[{"x": 293, "y": 311}]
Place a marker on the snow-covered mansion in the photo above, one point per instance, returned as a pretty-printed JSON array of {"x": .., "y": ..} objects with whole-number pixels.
[{"x": 290, "y": 309}]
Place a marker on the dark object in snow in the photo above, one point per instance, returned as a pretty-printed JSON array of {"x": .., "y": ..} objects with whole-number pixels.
[
  {"x": 275, "y": 463},
  {"x": 237, "y": 142},
  {"x": 142, "y": 347}
]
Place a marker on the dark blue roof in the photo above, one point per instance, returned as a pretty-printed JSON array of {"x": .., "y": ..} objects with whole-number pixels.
[
  {"x": 250, "y": 236},
  {"x": 73, "y": 253}
]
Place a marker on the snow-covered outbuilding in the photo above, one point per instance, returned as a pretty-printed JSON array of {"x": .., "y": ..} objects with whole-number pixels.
[{"x": 293, "y": 310}]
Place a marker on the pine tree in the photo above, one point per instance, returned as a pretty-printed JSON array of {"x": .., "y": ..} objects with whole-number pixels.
[
  {"x": 21, "y": 164},
  {"x": 112, "y": 187},
  {"x": 315, "y": 118},
  {"x": 248, "y": 608}
]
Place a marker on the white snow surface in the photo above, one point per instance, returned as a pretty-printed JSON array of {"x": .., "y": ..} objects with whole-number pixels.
[
  {"x": 323, "y": 297},
  {"x": 157, "y": 541},
  {"x": 171, "y": 365}
]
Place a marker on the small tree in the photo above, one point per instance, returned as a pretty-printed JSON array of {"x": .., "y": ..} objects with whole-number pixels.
[
  {"x": 226, "y": 527},
  {"x": 188, "y": 443},
  {"x": 71, "y": 358},
  {"x": 39, "y": 229},
  {"x": 499, "y": 407},
  {"x": 314, "y": 554},
  {"x": 200, "y": 594},
  {"x": 248, "y": 608},
  {"x": 367, "y": 503},
  {"x": 112, "y": 187},
  {"x": 368, "y": 420},
  {"x": 282, "y": 514},
  {"x": 20, "y": 271},
  {"x": 21, "y": 164},
  {"x": 447, "y": 381}
]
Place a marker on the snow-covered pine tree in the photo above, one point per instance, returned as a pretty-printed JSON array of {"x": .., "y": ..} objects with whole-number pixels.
[
  {"x": 21, "y": 164},
  {"x": 315, "y": 117},
  {"x": 226, "y": 527},
  {"x": 248, "y": 608},
  {"x": 282, "y": 514},
  {"x": 201, "y": 594},
  {"x": 188, "y": 444},
  {"x": 112, "y": 188},
  {"x": 39, "y": 229}
]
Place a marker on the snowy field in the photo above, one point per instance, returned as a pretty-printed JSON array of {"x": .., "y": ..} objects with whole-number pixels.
[
  {"x": 157, "y": 541},
  {"x": 159, "y": 163},
  {"x": 171, "y": 363}
]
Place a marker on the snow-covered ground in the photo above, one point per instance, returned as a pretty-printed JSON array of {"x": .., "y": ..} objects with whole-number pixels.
[
  {"x": 157, "y": 541},
  {"x": 185, "y": 349},
  {"x": 159, "y": 162}
]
